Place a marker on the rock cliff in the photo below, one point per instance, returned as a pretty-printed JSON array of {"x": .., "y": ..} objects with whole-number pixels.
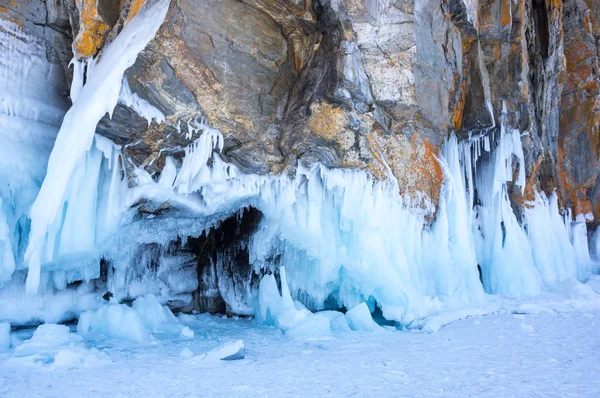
[{"x": 375, "y": 84}]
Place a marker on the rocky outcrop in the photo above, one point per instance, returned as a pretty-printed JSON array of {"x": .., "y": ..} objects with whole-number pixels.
[{"x": 372, "y": 84}]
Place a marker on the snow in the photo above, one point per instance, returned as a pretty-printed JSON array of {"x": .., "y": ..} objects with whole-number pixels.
[{"x": 550, "y": 354}]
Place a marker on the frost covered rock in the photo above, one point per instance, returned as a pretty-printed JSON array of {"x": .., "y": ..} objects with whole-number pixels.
[
  {"x": 359, "y": 318},
  {"x": 4, "y": 337},
  {"x": 114, "y": 320}
]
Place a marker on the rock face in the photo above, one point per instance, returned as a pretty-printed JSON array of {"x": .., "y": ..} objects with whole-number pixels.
[{"x": 372, "y": 84}]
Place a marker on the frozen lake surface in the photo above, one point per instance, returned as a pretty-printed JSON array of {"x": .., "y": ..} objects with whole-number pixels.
[{"x": 554, "y": 351}]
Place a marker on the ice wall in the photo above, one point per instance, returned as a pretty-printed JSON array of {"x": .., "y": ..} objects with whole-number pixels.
[
  {"x": 343, "y": 237},
  {"x": 31, "y": 110}
]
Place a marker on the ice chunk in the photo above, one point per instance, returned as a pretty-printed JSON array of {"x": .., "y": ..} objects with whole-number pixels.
[
  {"x": 54, "y": 345},
  {"x": 187, "y": 332},
  {"x": 114, "y": 320},
  {"x": 280, "y": 310},
  {"x": 359, "y": 318},
  {"x": 571, "y": 287},
  {"x": 226, "y": 352},
  {"x": 4, "y": 337},
  {"x": 337, "y": 320},
  {"x": 155, "y": 316},
  {"x": 186, "y": 353},
  {"x": 594, "y": 283}
]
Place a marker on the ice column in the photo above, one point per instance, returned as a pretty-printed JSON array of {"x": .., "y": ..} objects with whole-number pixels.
[{"x": 96, "y": 98}]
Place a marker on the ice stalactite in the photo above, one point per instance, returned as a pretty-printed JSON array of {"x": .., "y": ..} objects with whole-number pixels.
[
  {"x": 549, "y": 236},
  {"x": 139, "y": 105},
  {"x": 97, "y": 97},
  {"x": 515, "y": 258}
]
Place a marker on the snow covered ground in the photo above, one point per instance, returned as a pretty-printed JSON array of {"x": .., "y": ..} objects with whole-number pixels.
[{"x": 520, "y": 350}]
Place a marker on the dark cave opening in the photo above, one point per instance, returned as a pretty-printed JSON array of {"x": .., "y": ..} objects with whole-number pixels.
[{"x": 225, "y": 274}]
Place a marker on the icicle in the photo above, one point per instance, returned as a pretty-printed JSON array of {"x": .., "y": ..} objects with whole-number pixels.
[
  {"x": 7, "y": 257},
  {"x": 139, "y": 105},
  {"x": 78, "y": 77},
  {"x": 97, "y": 97}
]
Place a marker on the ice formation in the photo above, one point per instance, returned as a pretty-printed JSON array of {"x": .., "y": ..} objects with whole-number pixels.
[
  {"x": 55, "y": 346},
  {"x": 227, "y": 352},
  {"x": 337, "y": 239},
  {"x": 4, "y": 337},
  {"x": 96, "y": 98},
  {"x": 114, "y": 320}
]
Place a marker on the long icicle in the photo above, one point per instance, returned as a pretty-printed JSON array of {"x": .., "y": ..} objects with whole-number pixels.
[{"x": 97, "y": 97}]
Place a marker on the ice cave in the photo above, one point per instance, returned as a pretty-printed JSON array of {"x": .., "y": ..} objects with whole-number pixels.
[{"x": 227, "y": 189}]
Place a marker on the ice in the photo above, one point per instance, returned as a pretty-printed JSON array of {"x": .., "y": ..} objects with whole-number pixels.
[
  {"x": 7, "y": 257},
  {"x": 338, "y": 237},
  {"x": 553, "y": 254},
  {"x": 97, "y": 97},
  {"x": 186, "y": 353},
  {"x": 227, "y": 352},
  {"x": 594, "y": 283},
  {"x": 585, "y": 265},
  {"x": 280, "y": 310},
  {"x": 139, "y": 105},
  {"x": 337, "y": 320},
  {"x": 4, "y": 337},
  {"x": 187, "y": 332},
  {"x": 49, "y": 305},
  {"x": 359, "y": 318},
  {"x": 116, "y": 321},
  {"x": 56, "y": 346},
  {"x": 156, "y": 317},
  {"x": 32, "y": 105},
  {"x": 571, "y": 287}
]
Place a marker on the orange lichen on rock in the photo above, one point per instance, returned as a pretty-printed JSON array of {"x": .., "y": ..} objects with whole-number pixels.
[
  {"x": 92, "y": 30},
  {"x": 327, "y": 121},
  {"x": 423, "y": 174},
  {"x": 505, "y": 13},
  {"x": 135, "y": 7},
  {"x": 531, "y": 185}
]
